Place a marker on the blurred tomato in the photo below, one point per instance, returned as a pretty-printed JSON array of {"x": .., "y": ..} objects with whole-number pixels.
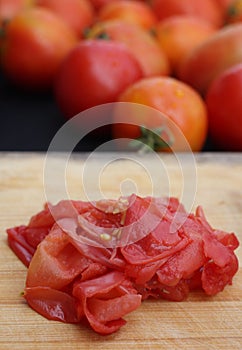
[
  {"x": 224, "y": 103},
  {"x": 206, "y": 9},
  {"x": 141, "y": 43},
  {"x": 95, "y": 72},
  {"x": 9, "y": 8},
  {"x": 234, "y": 12},
  {"x": 133, "y": 11},
  {"x": 178, "y": 101},
  {"x": 222, "y": 50},
  {"x": 35, "y": 43},
  {"x": 179, "y": 35},
  {"x": 78, "y": 14}
]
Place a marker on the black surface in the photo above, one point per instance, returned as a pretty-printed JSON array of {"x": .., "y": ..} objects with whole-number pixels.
[{"x": 29, "y": 121}]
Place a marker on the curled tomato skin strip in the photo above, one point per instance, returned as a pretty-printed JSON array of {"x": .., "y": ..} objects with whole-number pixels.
[
  {"x": 19, "y": 245},
  {"x": 52, "y": 304},
  {"x": 105, "y": 300}
]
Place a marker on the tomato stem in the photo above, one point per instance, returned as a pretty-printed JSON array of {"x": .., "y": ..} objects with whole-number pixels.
[
  {"x": 153, "y": 139},
  {"x": 103, "y": 36}
]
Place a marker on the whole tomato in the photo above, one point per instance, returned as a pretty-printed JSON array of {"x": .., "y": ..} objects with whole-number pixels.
[
  {"x": 220, "y": 51},
  {"x": 78, "y": 14},
  {"x": 224, "y": 104},
  {"x": 35, "y": 43},
  {"x": 133, "y": 11},
  {"x": 141, "y": 43},
  {"x": 177, "y": 101},
  {"x": 95, "y": 72},
  {"x": 207, "y": 10},
  {"x": 179, "y": 35}
]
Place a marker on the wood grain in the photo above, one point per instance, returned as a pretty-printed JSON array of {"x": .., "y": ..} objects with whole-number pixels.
[{"x": 212, "y": 180}]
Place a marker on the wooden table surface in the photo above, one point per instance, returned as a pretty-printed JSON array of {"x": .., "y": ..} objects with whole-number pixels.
[{"x": 200, "y": 322}]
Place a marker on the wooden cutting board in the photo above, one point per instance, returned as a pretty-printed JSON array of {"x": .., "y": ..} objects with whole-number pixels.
[{"x": 201, "y": 322}]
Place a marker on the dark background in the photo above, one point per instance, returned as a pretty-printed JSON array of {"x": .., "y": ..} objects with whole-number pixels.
[{"x": 29, "y": 121}]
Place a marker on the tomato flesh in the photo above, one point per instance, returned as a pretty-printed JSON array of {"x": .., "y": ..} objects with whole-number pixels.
[{"x": 79, "y": 271}]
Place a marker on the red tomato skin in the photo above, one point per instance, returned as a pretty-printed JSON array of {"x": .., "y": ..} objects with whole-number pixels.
[
  {"x": 105, "y": 300},
  {"x": 141, "y": 43},
  {"x": 224, "y": 104},
  {"x": 18, "y": 243},
  {"x": 52, "y": 304},
  {"x": 208, "y": 10},
  {"x": 59, "y": 287},
  {"x": 133, "y": 11},
  {"x": 56, "y": 262},
  {"x": 35, "y": 43},
  {"x": 95, "y": 72},
  {"x": 219, "y": 52},
  {"x": 78, "y": 14}
]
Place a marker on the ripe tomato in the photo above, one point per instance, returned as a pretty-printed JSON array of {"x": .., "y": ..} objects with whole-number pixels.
[
  {"x": 178, "y": 101},
  {"x": 35, "y": 43},
  {"x": 78, "y": 14},
  {"x": 142, "y": 44},
  {"x": 205, "y": 9},
  {"x": 132, "y": 11},
  {"x": 95, "y": 72},
  {"x": 224, "y": 103},
  {"x": 179, "y": 35},
  {"x": 9, "y": 8},
  {"x": 222, "y": 50}
]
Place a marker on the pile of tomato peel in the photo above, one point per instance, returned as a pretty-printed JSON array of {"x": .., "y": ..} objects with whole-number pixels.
[{"x": 97, "y": 261}]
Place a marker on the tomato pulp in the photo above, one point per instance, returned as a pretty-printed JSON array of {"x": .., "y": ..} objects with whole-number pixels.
[{"x": 97, "y": 261}]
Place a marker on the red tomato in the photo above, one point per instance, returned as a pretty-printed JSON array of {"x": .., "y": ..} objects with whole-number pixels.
[
  {"x": 222, "y": 50},
  {"x": 95, "y": 72},
  {"x": 142, "y": 44},
  {"x": 224, "y": 103},
  {"x": 206, "y": 9},
  {"x": 178, "y": 101},
  {"x": 78, "y": 14},
  {"x": 179, "y": 35},
  {"x": 35, "y": 43},
  {"x": 132, "y": 11}
]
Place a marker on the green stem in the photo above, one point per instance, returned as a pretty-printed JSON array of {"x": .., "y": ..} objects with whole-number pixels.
[{"x": 151, "y": 139}]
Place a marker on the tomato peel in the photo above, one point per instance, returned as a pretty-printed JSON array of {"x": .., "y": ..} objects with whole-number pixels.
[{"x": 71, "y": 280}]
